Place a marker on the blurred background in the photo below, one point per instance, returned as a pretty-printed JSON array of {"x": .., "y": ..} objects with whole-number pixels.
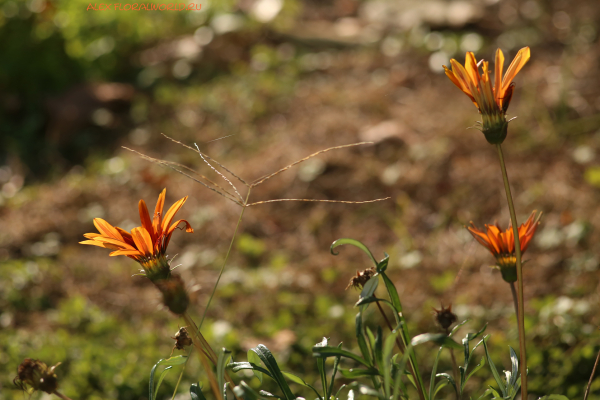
[{"x": 283, "y": 79}]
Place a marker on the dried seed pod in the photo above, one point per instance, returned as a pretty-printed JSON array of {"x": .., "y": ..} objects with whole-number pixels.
[
  {"x": 445, "y": 317},
  {"x": 37, "y": 375},
  {"x": 361, "y": 278},
  {"x": 182, "y": 339}
]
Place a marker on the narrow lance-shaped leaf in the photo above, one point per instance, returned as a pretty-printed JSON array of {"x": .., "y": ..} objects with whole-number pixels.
[
  {"x": 255, "y": 359},
  {"x": 355, "y": 243},
  {"x": 360, "y": 337},
  {"x": 196, "y": 392},
  {"x": 222, "y": 360},
  {"x": 169, "y": 362},
  {"x": 331, "y": 351},
  {"x": 494, "y": 370},
  {"x": 267, "y": 358}
]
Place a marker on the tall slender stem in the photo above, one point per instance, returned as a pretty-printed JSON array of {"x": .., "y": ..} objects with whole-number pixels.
[
  {"x": 226, "y": 258},
  {"x": 515, "y": 299},
  {"x": 587, "y": 389},
  {"x": 521, "y": 308},
  {"x": 204, "y": 359}
]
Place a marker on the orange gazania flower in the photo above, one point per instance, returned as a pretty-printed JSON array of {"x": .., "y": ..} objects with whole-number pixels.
[
  {"x": 492, "y": 99},
  {"x": 147, "y": 244},
  {"x": 502, "y": 243}
]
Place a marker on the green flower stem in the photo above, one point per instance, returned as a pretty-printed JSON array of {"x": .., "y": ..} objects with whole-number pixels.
[
  {"x": 413, "y": 372},
  {"x": 208, "y": 352},
  {"x": 204, "y": 358},
  {"x": 521, "y": 312},
  {"x": 515, "y": 298},
  {"x": 226, "y": 257}
]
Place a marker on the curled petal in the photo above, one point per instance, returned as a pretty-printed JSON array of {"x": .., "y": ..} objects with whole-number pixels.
[{"x": 171, "y": 213}]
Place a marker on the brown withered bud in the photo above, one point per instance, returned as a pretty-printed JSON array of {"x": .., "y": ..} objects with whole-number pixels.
[
  {"x": 361, "y": 278},
  {"x": 175, "y": 296},
  {"x": 36, "y": 375},
  {"x": 445, "y": 317},
  {"x": 182, "y": 339}
]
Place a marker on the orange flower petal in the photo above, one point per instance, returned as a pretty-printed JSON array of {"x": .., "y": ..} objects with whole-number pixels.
[
  {"x": 515, "y": 66},
  {"x": 458, "y": 83},
  {"x": 114, "y": 242},
  {"x": 158, "y": 214},
  {"x": 188, "y": 228},
  {"x": 107, "y": 229},
  {"x": 145, "y": 218},
  {"x": 171, "y": 213},
  {"x": 142, "y": 240},
  {"x": 499, "y": 66},
  {"x": 126, "y": 236},
  {"x": 125, "y": 253}
]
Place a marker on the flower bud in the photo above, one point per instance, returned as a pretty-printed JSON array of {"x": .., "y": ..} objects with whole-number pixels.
[{"x": 175, "y": 296}]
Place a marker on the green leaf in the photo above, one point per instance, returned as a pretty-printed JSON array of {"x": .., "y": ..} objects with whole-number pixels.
[
  {"x": 245, "y": 392},
  {"x": 330, "y": 351},
  {"x": 369, "y": 288},
  {"x": 432, "y": 390},
  {"x": 355, "y": 243},
  {"x": 440, "y": 385},
  {"x": 253, "y": 358},
  {"x": 264, "y": 393},
  {"x": 477, "y": 368},
  {"x": 238, "y": 366},
  {"x": 360, "y": 337},
  {"x": 354, "y": 373},
  {"x": 453, "y": 331},
  {"x": 515, "y": 367},
  {"x": 267, "y": 358},
  {"x": 392, "y": 292},
  {"x": 479, "y": 333},
  {"x": 379, "y": 346},
  {"x": 383, "y": 264},
  {"x": 337, "y": 394},
  {"x": 494, "y": 370},
  {"x": 196, "y": 392},
  {"x": 159, "y": 381},
  {"x": 336, "y": 363},
  {"x": 300, "y": 381},
  {"x": 554, "y": 397},
  {"x": 450, "y": 379},
  {"x": 362, "y": 389},
  {"x": 438, "y": 338},
  {"x": 224, "y": 356},
  {"x": 321, "y": 366},
  {"x": 169, "y": 362},
  {"x": 385, "y": 365},
  {"x": 485, "y": 394}
]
